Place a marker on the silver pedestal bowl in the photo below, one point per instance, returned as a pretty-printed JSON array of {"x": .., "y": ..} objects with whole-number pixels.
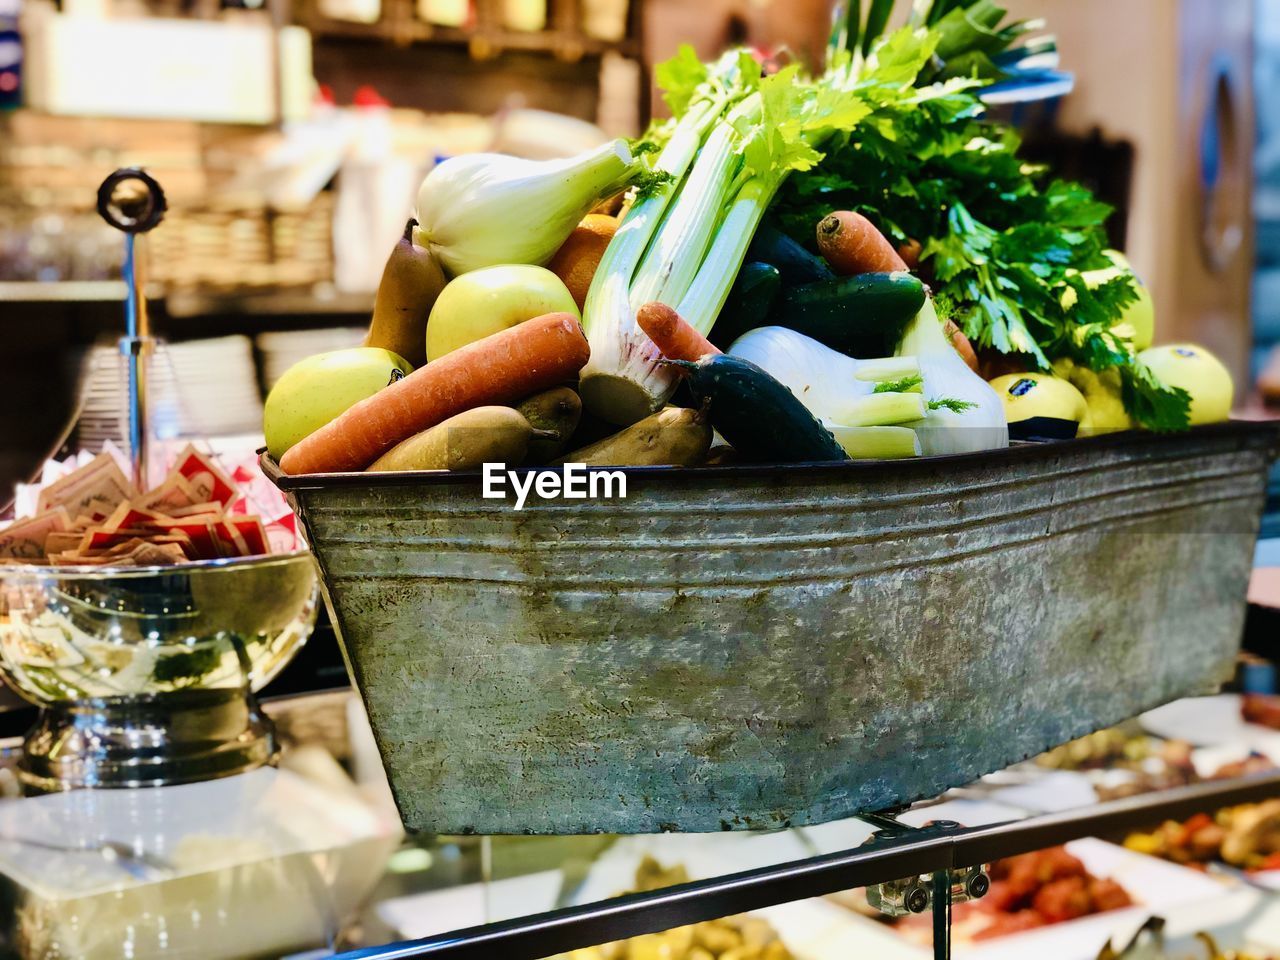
[{"x": 147, "y": 676}]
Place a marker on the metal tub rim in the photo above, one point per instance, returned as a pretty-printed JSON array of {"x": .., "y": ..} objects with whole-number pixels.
[{"x": 1015, "y": 453}]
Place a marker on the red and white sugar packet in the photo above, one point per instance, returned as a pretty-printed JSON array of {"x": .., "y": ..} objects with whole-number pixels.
[
  {"x": 25, "y": 540},
  {"x": 207, "y": 479}
]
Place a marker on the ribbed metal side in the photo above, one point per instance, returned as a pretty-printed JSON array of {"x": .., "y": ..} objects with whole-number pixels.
[{"x": 752, "y": 649}]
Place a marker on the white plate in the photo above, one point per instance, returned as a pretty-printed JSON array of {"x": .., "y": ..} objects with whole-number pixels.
[
  {"x": 1055, "y": 791},
  {"x": 1210, "y": 722}
]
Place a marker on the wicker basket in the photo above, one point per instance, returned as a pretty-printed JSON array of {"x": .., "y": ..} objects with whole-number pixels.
[{"x": 224, "y": 249}]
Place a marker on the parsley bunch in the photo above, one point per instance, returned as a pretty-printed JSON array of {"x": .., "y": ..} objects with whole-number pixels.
[{"x": 1004, "y": 244}]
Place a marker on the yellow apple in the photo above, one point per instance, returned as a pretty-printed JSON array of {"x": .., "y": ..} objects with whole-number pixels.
[
  {"x": 316, "y": 390},
  {"x": 1198, "y": 372},
  {"x": 483, "y": 302},
  {"x": 1139, "y": 318},
  {"x": 1101, "y": 392},
  {"x": 1040, "y": 406}
]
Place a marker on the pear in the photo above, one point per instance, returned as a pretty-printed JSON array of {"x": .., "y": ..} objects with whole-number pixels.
[
  {"x": 1101, "y": 390},
  {"x": 557, "y": 411},
  {"x": 411, "y": 282}
]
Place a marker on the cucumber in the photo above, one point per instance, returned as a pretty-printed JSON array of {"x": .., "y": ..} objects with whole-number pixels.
[
  {"x": 862, "y": 316},
  {"x": 795, "y": 264},
  {"x": 749, "y": 303},
  {"x": 759, "y": 416}
]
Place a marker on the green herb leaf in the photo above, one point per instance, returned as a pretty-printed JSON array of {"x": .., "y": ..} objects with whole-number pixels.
[
  {"x": 187, "y": 668},
  {"x": 646, "y": 182},
  {"x": 948, "y": 403},
  {"x": 905, "y": 385},
  {"x": 680, "y": 77},
  {"x": 1004, "y": 245},
  {"x": 1154, "y": 405}
]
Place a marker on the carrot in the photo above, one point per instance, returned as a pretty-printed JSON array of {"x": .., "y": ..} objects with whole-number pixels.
[
  {"x": 910, "y": 254},
  {"x": 672, "y": 334},
  {"x": 503, "y": 368},
  {"x": 852, "y": 244},
  {"x": 961, "y": 344}
]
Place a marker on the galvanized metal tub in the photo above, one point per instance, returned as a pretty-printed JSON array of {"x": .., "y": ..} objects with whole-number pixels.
[{"x": 758, "y": 647}]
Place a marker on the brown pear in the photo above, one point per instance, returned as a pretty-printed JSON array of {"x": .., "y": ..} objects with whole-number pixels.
[{"x": 411, "y": 281}]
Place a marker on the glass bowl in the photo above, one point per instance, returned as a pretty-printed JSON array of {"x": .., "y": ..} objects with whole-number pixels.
[{"x": 147, "y": 675}]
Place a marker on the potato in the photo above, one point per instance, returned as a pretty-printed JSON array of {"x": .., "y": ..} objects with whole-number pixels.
[
  {"x": 463, "y": 442},
  {"x": 717, "y": 937}
]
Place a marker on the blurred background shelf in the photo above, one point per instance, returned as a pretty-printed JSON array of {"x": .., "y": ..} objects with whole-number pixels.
[
  {"x": 65, "y": 291},
  {"x": 283, "y": 303}
]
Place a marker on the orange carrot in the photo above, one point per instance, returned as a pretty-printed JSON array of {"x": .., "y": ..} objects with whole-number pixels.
[
  {"x": 910, "y": 253},
  {"x": 852, "y": 244},
  {"x": 672, "y": 333},
  {"x": 503, "y": 368},
  {"x": 961, "y": 344}
]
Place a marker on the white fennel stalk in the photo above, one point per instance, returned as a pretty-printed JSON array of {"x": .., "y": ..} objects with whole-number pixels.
[
  {"x": 982, "y": 426},
  {"x": 485, "y": 209}
]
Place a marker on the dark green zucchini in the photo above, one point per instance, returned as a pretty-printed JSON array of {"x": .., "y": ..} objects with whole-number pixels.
[
  {"x": 862, "y": 316},
  {"x": 749, "y": 303},
  {"x": 759, "y": 416},
  {"x": 796, "y": 264}
]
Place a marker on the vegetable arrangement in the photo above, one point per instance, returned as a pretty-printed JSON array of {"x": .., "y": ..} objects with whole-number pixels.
[
  {"x": 803, "y": 264},
  {"x": 1008, "y": 251}
]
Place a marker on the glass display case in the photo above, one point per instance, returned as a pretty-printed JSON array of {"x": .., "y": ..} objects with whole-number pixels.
[{"x": 309, "y": 860}]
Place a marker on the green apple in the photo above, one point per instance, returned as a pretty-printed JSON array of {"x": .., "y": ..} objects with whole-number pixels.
[
  {"x": 1198, "y": 372},
  {"x": 1139, "y": 317},
  {"x": 483, "y": 302},
  {"x": 316, "y": 390}
]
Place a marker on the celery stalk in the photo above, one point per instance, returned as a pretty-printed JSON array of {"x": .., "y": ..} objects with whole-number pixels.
[
  {"x": 681, "y": 240},
  {"x": 707, "y": 293},
  {"x": 685, "y": 244}
]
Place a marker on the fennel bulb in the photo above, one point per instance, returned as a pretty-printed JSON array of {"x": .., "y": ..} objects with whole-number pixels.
[
  {"x": 857, "y": 400},
  {"x": 485, "y": 209},
  {"x": 835, "y": 388},
  {"x": 982, "y": 426}
]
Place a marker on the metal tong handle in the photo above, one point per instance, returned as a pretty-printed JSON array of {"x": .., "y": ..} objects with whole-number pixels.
[{"x": 132, "y": 201}]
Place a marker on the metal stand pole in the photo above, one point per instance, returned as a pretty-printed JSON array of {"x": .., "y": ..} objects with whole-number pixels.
[
  {"x": 132, "y": 202},
  {"x": 942, "y": 915},
  {"x": 136, "y": 345}
]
